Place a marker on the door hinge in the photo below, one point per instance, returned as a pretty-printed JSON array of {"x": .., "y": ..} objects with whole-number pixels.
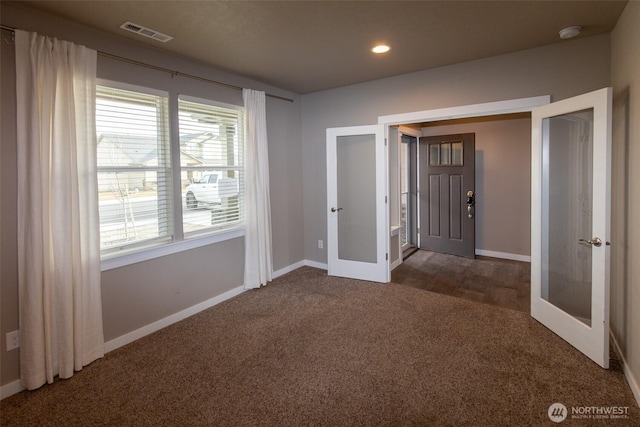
[
  {"x": 385, "y": 141},
  {"x": 387, "y": 256},
  {"x": 385, "y": 199},
  {"x": 418, "y": 230}
]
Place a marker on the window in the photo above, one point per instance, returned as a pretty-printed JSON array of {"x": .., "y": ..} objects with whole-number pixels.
[
  {"x": 134, "y": 168},
  {"x": 404, "y": 191},
  {"x": 408, "y": 199},
  {"x": 211, "y": 161},
  {"x": 446, "y": 153},
  {"x": 137, "y": 175}
]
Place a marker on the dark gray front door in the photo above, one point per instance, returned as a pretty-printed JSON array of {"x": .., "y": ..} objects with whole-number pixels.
[{"x": 447, "y": 194}]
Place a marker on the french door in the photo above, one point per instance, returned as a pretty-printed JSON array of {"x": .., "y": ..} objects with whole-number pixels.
[
  {"x": 570, "y": 215},
  {"x": 357, "y": 221}
]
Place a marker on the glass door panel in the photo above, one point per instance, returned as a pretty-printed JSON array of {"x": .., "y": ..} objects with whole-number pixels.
[
  {"x": 405, "y": 185},
  {"x": 356, "y": 156},
  {"x": 567, "y": 215}
]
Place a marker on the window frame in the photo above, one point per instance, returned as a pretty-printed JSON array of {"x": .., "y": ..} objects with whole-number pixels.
[
  {"x": 178, "y": 241},
  {"x": 218, "y": 229}
]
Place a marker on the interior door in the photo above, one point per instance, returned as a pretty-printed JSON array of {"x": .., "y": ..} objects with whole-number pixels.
[
  {"x": 357, "y": 221},
  {"x": 571, "y": 152},
  {"x": 447, "y": 194}
]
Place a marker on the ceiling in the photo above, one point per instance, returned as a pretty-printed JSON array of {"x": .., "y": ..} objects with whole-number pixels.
[{"x": 308, "y": 46}]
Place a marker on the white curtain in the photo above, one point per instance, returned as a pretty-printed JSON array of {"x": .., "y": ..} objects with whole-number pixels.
[
  {"x": 258, "y": 265},
  {"x": 58, "y": 226}
]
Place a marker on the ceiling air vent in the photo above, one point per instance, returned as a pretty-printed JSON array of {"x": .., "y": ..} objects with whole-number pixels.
[{"x": 144, "y": 31}]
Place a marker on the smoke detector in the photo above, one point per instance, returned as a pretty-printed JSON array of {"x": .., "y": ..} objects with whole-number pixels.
[
  {"x": 569, "y": 32},
  {"x": 144, "y": 31}
]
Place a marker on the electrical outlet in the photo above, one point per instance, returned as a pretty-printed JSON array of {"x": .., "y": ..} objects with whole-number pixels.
[
  {"x": 320, "y": 244},
  {"x": 13, "y": 340}
]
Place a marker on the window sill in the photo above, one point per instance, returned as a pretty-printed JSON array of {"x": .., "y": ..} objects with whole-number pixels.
[{"x": 122, "y": 260}]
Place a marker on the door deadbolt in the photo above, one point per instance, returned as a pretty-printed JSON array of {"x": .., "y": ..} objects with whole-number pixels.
[
  {"x": 470, "y": 203},
  {"x": 470, "y": 195}
]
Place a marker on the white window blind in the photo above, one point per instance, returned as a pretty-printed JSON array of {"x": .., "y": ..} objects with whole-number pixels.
[
  {"x": 211, "y": 163},
  {"x": 134, "y": 168}
]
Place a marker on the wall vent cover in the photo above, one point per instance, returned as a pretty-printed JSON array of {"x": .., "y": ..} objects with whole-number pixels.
[{"x": 144, "y": 31}]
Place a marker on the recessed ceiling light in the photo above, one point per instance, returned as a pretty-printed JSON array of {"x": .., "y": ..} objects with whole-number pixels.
[
  {"x": 569, "y": 32},
  {"x": 381, "y": 48}
]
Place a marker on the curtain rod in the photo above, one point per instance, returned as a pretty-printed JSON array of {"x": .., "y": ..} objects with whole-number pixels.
[{"x": 167, "y": 70}]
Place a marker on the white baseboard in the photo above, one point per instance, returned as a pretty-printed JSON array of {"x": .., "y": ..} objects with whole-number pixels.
[
  {"x": 288, "y": 269},
  {"x": 631, "y": 380},
  {"x": 316, "y": 264},
  {"x": 503, "y": 255},
  {"x": 304, "y": 262},
  {"x": 11, "y": 389},
  {"x": 169, "y": 320},
  {"x": 162, "y": 323},
  {"x": 396, "y": 263},
  {"x": 16, "y": 386},
  {"x": 181, "y": 315}
]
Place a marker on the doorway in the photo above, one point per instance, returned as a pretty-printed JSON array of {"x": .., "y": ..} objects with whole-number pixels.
[
  {"x": 502, "y": 187},
  {"x": 387, "y": 209}
]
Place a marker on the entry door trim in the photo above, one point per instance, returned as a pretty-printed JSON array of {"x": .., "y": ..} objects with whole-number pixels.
[{"x": 520, "y": 105}]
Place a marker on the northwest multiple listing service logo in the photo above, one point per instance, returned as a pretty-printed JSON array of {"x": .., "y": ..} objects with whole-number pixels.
[{"x": 558, "y": 412}]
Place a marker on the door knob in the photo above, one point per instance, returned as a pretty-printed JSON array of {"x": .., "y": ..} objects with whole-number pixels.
[
  {"x": 336, "y": 209},
  {"x": 595, "y": 241},
  {"x": 470, "y": 203}
]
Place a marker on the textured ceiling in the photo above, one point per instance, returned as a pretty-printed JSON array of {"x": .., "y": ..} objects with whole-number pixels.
[{"x": 307, "y": 46}]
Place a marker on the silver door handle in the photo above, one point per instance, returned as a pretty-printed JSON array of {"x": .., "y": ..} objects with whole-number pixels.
[
  {"x": 595, "y": 241},
  {"x": 470, "y": 202},
  {"x": 336, "y": 209}
]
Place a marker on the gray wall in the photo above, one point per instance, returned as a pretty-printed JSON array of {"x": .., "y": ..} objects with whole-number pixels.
[
  {"x": 625, "y": 225},
  {"x": 8, "y": 214},
  {"x": 503, "y": 180},
  {"x": 140, "y": 294},
  {"x": 561, "y": 70}
]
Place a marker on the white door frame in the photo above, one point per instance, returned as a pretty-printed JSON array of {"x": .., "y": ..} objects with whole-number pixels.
[
  {"x": 384, "y": 122},
  {"x": 395, "y": 227},
  {"x": 520, "y": 105}
]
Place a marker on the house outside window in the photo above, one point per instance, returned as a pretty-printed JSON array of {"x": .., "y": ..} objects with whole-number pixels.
[
  {"x": 136, "y": 172},
  {"x": 211, "y": 159}
]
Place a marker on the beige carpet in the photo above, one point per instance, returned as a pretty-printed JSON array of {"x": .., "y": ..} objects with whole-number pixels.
[{"x": 314, "y": 350}]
